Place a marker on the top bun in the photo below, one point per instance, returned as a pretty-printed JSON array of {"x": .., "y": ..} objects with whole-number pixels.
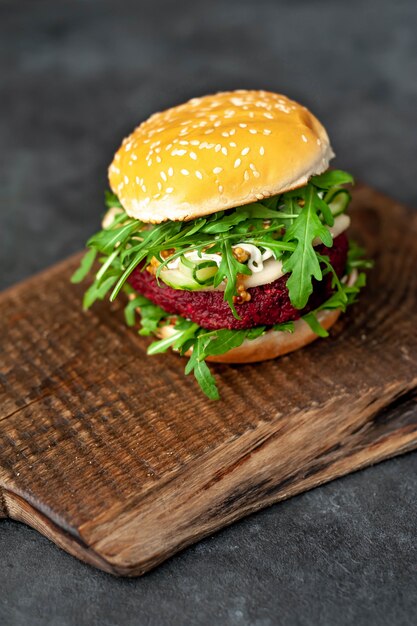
[{"x": 217, "y": 152}]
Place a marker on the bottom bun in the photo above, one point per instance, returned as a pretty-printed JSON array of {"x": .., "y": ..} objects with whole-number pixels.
[{"x": 272, "y": 344}]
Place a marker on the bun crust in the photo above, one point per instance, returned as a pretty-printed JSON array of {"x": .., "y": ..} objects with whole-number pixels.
[
  {"x": 272, "y": 344},
  {"x": 217, "y": 152}
]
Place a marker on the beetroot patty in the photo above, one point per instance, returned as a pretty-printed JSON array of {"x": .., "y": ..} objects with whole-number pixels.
[{"x": 269, "y": 304}]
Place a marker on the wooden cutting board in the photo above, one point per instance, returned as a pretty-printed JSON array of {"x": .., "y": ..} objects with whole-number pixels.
[{"x": 118, "y": 457}]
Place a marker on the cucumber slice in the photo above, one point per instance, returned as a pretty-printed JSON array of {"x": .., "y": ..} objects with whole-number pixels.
[
  {"x": 186, "y": 265},
  {"x": 190, "y": 275},
  {"x": 338, "y": 199},
  {"x": 204, "y": 272},
  {"x": 177, "y": 280}
]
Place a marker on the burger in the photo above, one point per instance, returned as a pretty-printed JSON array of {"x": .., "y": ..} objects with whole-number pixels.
[{"x": 227, "y": 231}]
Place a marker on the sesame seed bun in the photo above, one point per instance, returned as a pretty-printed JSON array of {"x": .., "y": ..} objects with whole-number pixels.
[
  {"x": 270, "y": 345},
  {"x": 217, "y": 152}
]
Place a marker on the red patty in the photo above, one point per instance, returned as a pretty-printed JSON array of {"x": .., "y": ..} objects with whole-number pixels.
[{"x": 269, "y": 304}]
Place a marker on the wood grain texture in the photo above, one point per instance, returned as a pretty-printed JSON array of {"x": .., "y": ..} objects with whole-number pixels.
[{"x": 119, "y": 459}]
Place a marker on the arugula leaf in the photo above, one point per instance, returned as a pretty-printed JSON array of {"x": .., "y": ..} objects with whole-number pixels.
[
  {"x": 86, "y": 264},
  {"x": 315, "y": 325},
  {"x": 226, "y": 223},
  {"x": 183, "y": 331},
  {"x": 331, "y": 178},
  {"x": 228, "y": 270},
  {"x": 150, "y": 314},
  {"x": 97, "y": 291},
  {"x": 355, "y": 259},
  {"x": 222, "y": 341},
  {"x": 203, "y": 376},
  {"x": 111, "y": 200},
  {"x": 303, "y": 263},
  {"x": 287, "y": 327}
]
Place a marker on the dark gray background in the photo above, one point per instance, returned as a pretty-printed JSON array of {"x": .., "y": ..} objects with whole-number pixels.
[{"x": 75, "y": 78}]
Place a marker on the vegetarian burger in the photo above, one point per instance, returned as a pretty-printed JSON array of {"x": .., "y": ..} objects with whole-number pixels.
[{"x": 227, "y": 231}]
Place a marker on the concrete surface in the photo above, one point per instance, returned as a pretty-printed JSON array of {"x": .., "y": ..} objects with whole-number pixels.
[{"x": 74, "y": 78}]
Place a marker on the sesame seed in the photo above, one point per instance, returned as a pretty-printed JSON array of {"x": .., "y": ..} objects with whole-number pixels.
[
  {"x": 224, "y": 151},
  {"x": 225, "y": 133},
  {"x": 220, "y": 188},
  {"x": 261, "y": 150},
  {"x": 137, "y": 180},
  {"x": 246, "y": 175},
  {"x": 134, "y": 157},
  {"x": 217, "y": 170},
  {"x": 195, "y": 142},
  {"x": 163, "y": 176},
  {"x": 256, "y": 173},
  {"x": 193, "y": 156},
  {"x": 126, "y": 180},
  {"x": 128, "y": 146},
  {"x": 149, "y": 162},
  {"x": 185, "y": 172},
  {"x": 304, "y": 138},
  {"x": 199, "y": 174},
  {"x": 242, "y": 125},
  {"x": 232, "y": 144},
  {"x": 318, "y": 142},
  {"x": 237, "y": 163},
  {"x": 267, "y": 131},
  {"x": 218, "y": 147},
  {"x": 245, "y": 151},
  {"x": 169, "y": 189},
  {"x": 158, "y": 159},
  {"x": 253, "y": 131},
  {"x": 251, "y": 165},
  {"x": 269, "y": 116}
]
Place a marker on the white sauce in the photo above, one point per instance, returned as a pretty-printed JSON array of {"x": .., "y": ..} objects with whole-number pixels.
[{"x": 257, "y": 258}]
